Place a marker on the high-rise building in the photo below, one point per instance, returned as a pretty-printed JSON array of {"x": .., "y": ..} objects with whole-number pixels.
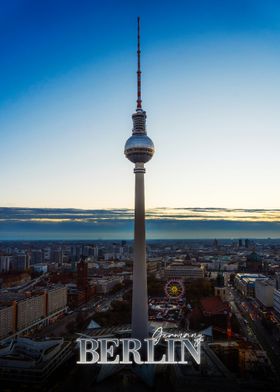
[
  {"x": 96, "y": 252},
  {"x": 47, "y": 254},
  {"x": 5, "y": 263},
  {"x": 264, "y": 292},
  {"x": 82, "y": 274},
  {"x": 56, "y": 299},
  {"x": 276, "y": 301},
  {"x": 76, "y": 252},
  {"x": 18, "y": 313},
  {"x": 6, "y": 320},
  {"x": 36, "y": 256},
  {"x": 20, "y": 262},
  {"x": 30, "y": 310},
  {"x": 215, "y": 243},
  {"x": 56, "y": 256},
  {"x": 139, "y": 149},
  {"x": 277, "y": 280}
]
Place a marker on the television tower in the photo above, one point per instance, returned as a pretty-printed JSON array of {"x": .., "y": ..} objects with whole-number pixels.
[{"x": 139, "y": 149}]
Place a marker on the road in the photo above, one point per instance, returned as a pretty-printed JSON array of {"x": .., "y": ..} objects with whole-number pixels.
[
  {"x": 59, "y": 328},
  {"x": 25, "y": 286},
  {"x": 245, "y": 327},
  {"x": 250, "y": 313}
]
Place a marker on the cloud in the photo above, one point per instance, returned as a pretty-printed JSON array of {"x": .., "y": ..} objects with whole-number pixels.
[
  {"x": 56, "y": 214},
  {"x": 46, "y": 223}
]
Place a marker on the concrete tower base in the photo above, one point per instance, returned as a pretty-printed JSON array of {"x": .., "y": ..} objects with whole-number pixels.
[{"x": 140, "y": 326}]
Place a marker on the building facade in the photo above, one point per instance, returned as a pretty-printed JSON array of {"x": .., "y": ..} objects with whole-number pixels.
[
  {"x": 105, "y": 285},
  {"x": 245, "y": 283},
  {"x": 182, "y": 271},
  {"x": 6, "y": 320},
  {"x": 264, "y": 292},
  {"x": 30, "y": 310},
  {"x": 24, "y": 313},
  {"x": 276, "y": 301},
  {"x": 5, "y": 263},
  {"x": 56, "y": 299}
]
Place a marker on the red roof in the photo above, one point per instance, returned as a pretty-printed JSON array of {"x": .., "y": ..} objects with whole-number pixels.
[{"x": 213, "y": 305}]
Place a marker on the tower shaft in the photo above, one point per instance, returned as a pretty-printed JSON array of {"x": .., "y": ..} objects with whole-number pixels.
[{"x": 140, "y": 328}]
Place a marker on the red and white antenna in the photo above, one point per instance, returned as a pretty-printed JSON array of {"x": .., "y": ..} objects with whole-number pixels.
[{"x": 139, "y": 100}]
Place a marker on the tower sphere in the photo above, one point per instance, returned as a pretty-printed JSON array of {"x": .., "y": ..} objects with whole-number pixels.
[{"x": 139, "y": 148}]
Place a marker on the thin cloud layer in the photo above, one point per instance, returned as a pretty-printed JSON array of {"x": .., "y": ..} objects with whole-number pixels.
[
  {"x": 55, "y": 215},
  {"x": 45, "y": 223}
]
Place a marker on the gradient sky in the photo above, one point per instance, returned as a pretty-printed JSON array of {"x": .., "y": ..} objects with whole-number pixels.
[{"x": 211, "y": 89}]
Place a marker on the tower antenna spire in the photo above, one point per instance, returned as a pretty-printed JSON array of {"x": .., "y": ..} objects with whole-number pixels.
[{"x": 139, "y": 100}]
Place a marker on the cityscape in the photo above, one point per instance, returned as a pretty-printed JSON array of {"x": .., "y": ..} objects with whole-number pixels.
[
  {"x": 103, "y": 287},
  {"x": 52, "y": 291}
]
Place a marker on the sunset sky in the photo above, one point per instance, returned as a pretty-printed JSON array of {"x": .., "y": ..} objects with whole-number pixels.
[{"x": 211, "y": 89}]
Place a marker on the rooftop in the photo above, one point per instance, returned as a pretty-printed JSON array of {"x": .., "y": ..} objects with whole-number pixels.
[
  {"x": 213, "y": 305},
  {"x": 24, "y": 352}
]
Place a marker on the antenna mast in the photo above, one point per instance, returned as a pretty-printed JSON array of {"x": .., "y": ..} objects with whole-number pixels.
[{"x": 139, "y": 100}]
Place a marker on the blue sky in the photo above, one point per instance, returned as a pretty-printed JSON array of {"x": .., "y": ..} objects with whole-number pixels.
[{"x": 211, "y": 89}]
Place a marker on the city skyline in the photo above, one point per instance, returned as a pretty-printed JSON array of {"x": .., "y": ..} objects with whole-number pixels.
[{"x": 211, "y": 81}]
